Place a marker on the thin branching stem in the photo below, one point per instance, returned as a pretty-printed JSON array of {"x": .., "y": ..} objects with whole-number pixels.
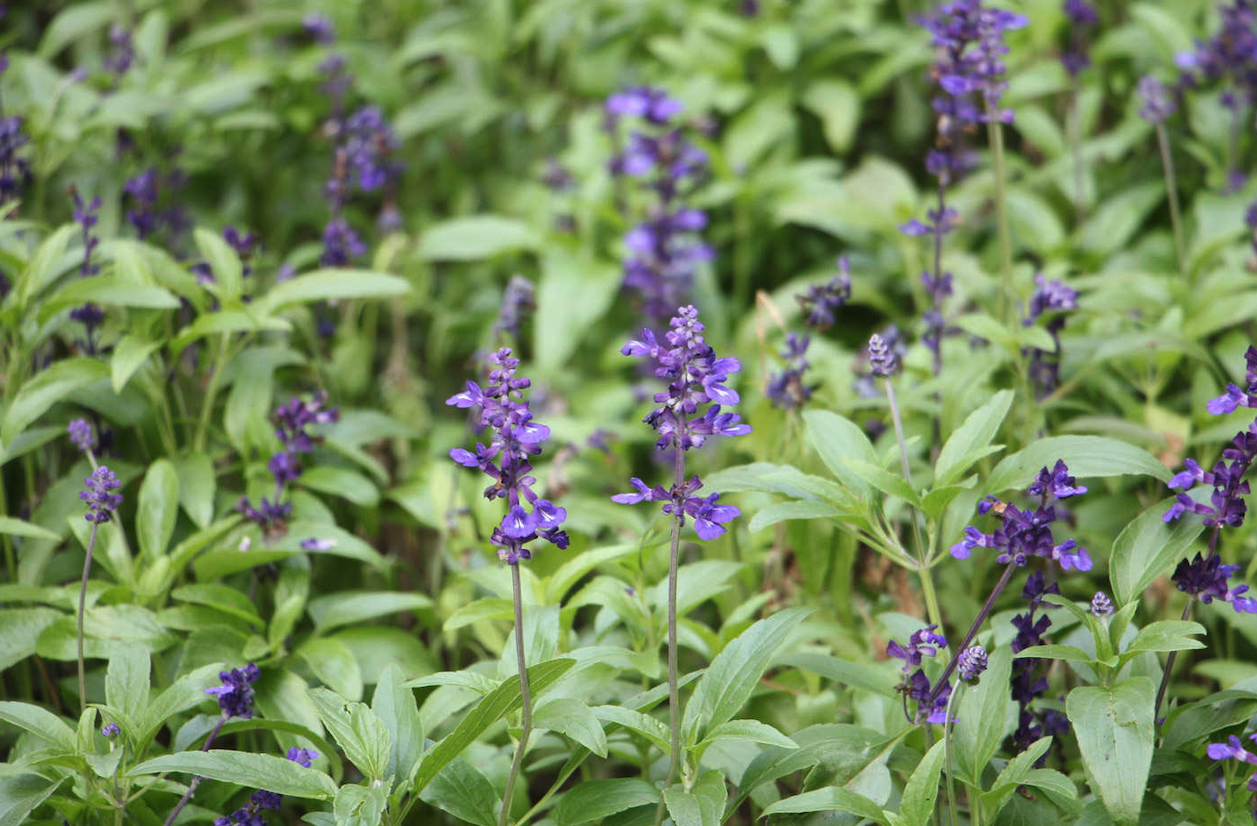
[
  {"x": 674, "y": 692},
  {"x": 951, "y": 781},
  {"x": 525, "y": 698},
  {"x": 973, "y": 630},
  {"x": 927, "y": 583},
  {"x": 996, "y": 132},
  {"x": 87, "y": 570},
  {"x": 196, "y": 780},
  {"x": 1171, "y": 189}
]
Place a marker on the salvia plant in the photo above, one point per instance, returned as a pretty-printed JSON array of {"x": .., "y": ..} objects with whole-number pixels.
[{"x": 970, "y": 281}]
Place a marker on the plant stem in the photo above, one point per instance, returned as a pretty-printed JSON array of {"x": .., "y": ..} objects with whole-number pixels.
[
  {"x": 525, "y": 697},
  {"x": 196, "y": 780},
  {"x": 674, "y": 693},
  {"x": 87, "y": 569},
  {"x": 927, "y": 584},
  {"x": 1171, "y": 188},
  {"x": 951, "y": 781},
  {"x": 211, "y": 391},
  {"x": 973, "y": 629},
  {"x": 1075, "y": 145},
  {"x": 1169, "y": 666},
  {"x": 996, "y": 135}
]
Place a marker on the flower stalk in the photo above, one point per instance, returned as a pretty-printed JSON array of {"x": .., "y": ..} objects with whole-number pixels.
[{"x": 525, "y": 699}]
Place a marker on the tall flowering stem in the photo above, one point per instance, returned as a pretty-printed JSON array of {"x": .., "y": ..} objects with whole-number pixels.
[
  {"x": 101, "y": 500},
  {"x": 516, "y": 438},
  {"x": 695, "y": 378},
  {"x": 1156, "y": 106}
]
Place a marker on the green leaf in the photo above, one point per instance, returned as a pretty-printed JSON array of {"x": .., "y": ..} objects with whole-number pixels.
[
  {"x": 643, "y": 724},
  {"x": 830, "y": 799},
  {"x": 22, "y": 627},
  {"x": 74, "y": 23},
  {"x": 46, "y": 389},
  {"x": 751, "y": 731},
  {"x": 798, "y": 509},
  {"x": 129, "y": 355},
  {"x": 837, "y": 439},
  {"x": 43, "y": 724},
  {"x": 846, "y": 673},
  {"x": 185, "y": 693},
  {"x": 837, "y": 104},
  {"x": 1056, "y": 652},
  {"x": 158, "y": 507},
  {"x": 980, "y": 713},
  {"x": 1014, "y": 775},
  {"x": 464, "y": 792},
  {"x": 573, "y": 294},
  {"x": 922, "y": 788},
  {"x": 1115, "y": 735},
  {"x": 394, "y": 704},
  {"x": 569, "y": 573},
  {"x": 596, "y": 799},
  {"x": 475, "y": 237},
  {"x": 1147, "y": 548},
  {"x": 16, "y": 527},
  {"x": 45, "y": 265},
  {"x": 222, "y": 598},
  {"x": 338, "y": 481},
  {"x": 333, "y": 663},
  {"x": 127, "y": 681},
  {"x": 1166, "y": 635},
  {"x": 332, "y": 284},
  {"x": 883, "y": 480},
  {"x": 350, "y": 607},
  {"x": 970, "y": 441},
  {"x": 196, "y": 487},
  {"x": 362, "y": 735},
  {"x": 573, "y": 718},
  {"x": 1087, "y": 456},
  {"x": 728, "y": 682},
  {"x": 108, "y": 290},
  {"x": 20, "y": 794},
  {"x": 254, "y": 771},
  {"x": 223, "y": 262},
  {"x": 501, "y": 701},
  {"x": 1113, "y": 224}
]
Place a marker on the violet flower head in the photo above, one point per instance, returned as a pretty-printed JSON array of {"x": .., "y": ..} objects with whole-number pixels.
[
  {"x": 1056, "y": 483},
  {"x": 110, "y": 730},
  {"x": 881, "y": 357},
  {"x": 302, "y": 757},
  {"x": 516, "y": 437},
  {"x": 235, "y": 695},
  {"x": 1155, "y": 102},
  {"x": 787, "y": 388},
  {"x": 821, "y": 301},
  {"x": 915, "y": 685},
  {"x": 518, "y": 299},
  {"x": 973, "y": 661},
  {"x": 1082, "y": 18},
  {"x": 651, "y": 104},
  {"x": 969, "y": 68},
  {"x": 1226, "y": 57},
  {"x": 341, "y": 244},
  {"x": 1232, "y": 749},
  {"x": 319, "y": 29},
  {"x": 81, "y": 434},
  {"x": 121, "y": 52},
  {"x": 1051, "y": 298},
  {"x": 695, "y": 377},
  {"x": 99, "y": 496},
  {"x": 15, "y": 169},
  {"x": 1026, "y": 683},
  {"x": 1206, "y": 579},
  {"x": 1101, "y": 605},
  {"x": 143, "y": 194},
  {"x": 1250, "y": 221}
]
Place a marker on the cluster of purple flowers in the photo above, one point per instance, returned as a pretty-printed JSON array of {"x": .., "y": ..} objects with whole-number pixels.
[
  {"x": 1205, "y": 577},
  {"x": 1025, "y": 682},
  {"x": 1101, "y": 605},
  {"x": 505, "y": 459},
  {"x": 883, "y": 361},
  {"x": 1156, "y": 103},
  {"x": 15, "y": 170},
  {"x": 663, "y": 252},
  {"x": 99, "y": 496},
  {"x": 244, "y": 244},
  {"x": 251, "y": 814},
  {"x": 695, "y": 377},
  {"x": 787, "y": 388},
  {"x": 90, "y": 315},
  {"x": 292, "y": 422},
  {"x": 1051, "y": 298},
  {"x": 1028, "y": 533},
  {"x": 144, "y": 193},
  {"x": 121, "y": 51},
  {"x": 80, "y": 434},
  {"x": 1082, "y": 18},
  {"x": 1232, "y": 749},
  {"x": 518, "y": 298},
  {"x": 931, "y": 702},
  {"x": 235, "y": 694}
]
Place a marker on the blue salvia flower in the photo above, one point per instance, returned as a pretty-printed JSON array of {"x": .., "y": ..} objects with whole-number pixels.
[
  {"x": 110, "y": 730},
  {"x": 1156, "y": 103},
  {"x": 821, "y": 301},
  {"x": 518, "y": 298},
  {"x": 235, "y": 694},
  {"x": 696, "y": 380},
  {"x": 973, "y": 661},
  {"x": 1101, "y": 605},
  {"x": 15, "y": 169},
  {"x": 1051, "y": 298},
  {"x": 319, "y": 29},
  {"x": 882, "y": 360},
  {"x": 915, "y": 685},
  {"x": 1250, "y": 221},
  {"x": 1025, "y": 682},
  {"x": 787, "y": 388},
  {"x": 91, "y": 316},
  {"x": 98, "y": 494},
  {"x": 969, "y": 41},
  {"x": 243, "y": 243},
  {"x": 143, "y": 194},
  {"x": 80, "y": 434},
  {"x": 251, "y": 815},
  {"x": 1205, "y": 577},
  {"x": 516, "y": 437},
  {"x": 121, "y": 52},
  {"x": 1233, "y": 749},
  {"x": 1082, "y": 18}
]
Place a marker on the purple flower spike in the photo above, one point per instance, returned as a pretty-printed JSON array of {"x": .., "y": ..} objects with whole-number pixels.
[
  {"x": 1056, "y": 483},
  {"x": 973, "y": 661},
  {"x": 98, "y": 494},
  {"x": 110, "y": 730},
  {"x": 303, "y": 757},
  {"x": 881, "y": 357},
  {"x": 1156, "y": 104},
  {"x": 823, "y": 300},
  {"x": 235, "y": 695},
  {"x": 80, "y": 434}
]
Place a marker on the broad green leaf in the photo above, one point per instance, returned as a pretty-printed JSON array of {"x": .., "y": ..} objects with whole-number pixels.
[
  {"x": 74, "y": 23},
  {"x": 128, "y": 356},
  {"x": 185, "y": 693},
  {"x": 574, "y": 293},
  {"x": 1147, "y": 548},
  {"x": 1115, "y": 736},
  {"x": 1056, "y": 652},
  {"x": 847, "y": 673},
  {"x": 40, "y": 722},
  {"x": 226, "y": 321},
  {"x": 362, "y": 735},
  {"x": 970, "y": 441},
  {"x": 338, "y": 481},
  {"x": 573, "y": 718},
  {"x": 333, "y": 663},
  {"x": 980, "y": 713},
  {"x": 560, "y": 582},
  {"x": 651, "y": 728},
  {"x": 837, "y": 105},
  {"x": 770, "y": 478},
  {"x": 797, "y": 509},
  {"x": 463, "y": 791},
  {"x": 158, "y": 508},
  {"x": 752, "y": 731},
  {"x": 22, "y": 627},
  {"x": 351, "y": 607},
  {"x": 1087, "y": 456},
  {"x": 253, "y": 771},
  {"x": 922, "y": 788},
  {"x": 127, "y": 681},
  {"x": 829, "y": 799},
  {"x": 196, "y": 487},
  {"x": 475, "y": 237},
  {"x": 16, "y": 527},
  {"x": 46, "y": 389},
  {"x": 394, "y": 704},
  {"x": 1167, "y": 635},
  {"x": 223, "y": 262},
  {"x": 20, "y": 794},
  {"x": 1014, "y": 775},
  {"x": 332, "y": 284},
  {"x": 501, "y": 701},
  {"x": 222, "y": 598},
  {"x": 837, "y": 439},
  {"x": 728, "y": 682},
  {"x": 45, "y": 265},
  {"x": 108, "y": 290},
  {"x": 596, "y": 799}
]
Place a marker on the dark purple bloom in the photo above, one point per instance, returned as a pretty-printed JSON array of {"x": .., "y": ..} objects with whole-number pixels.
[
  {"x": 518, "y": 298},
  {"x": 121, "y": 52},
  {"x": 652, "y": 105},
  {"x": 235, "y": 695},
  {"x": 1101, "y": 605},
  {"x": 292, "y": 422},
  {"x": 1206, "y": 578},
  {"x": 1056, "y": 483},
  {"x": 1227, "y": 57},
  {"x": 787, "y": 388},
  {"x": 1025, "y": 682},
  {"x": 516, "y": 437},
  {"x": 302, "y": 757},
  {"x": 110, "y": 730},
  {"x": 80, "y": 434},
  {"x": 1082, "y": 17},
  {"x": 881, "y": 357},
  {"x": 98, "y": 494},
  {"x": 144, "y": 192},
  {"x": 821, "y": 301},
  {"x": 915, "y": 684},
  {"x": 319, "y": 29},
  {"x": 341, "y": 244},
  {"x": 969, "y": 41},
  {"x": 1050, "y": 297},
  {"x": 15, "y": 169},
  {"x": 1156, "y": 104},
  {"x": 1054, "y": 298},
  {"x": 973, "y": 661}
]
